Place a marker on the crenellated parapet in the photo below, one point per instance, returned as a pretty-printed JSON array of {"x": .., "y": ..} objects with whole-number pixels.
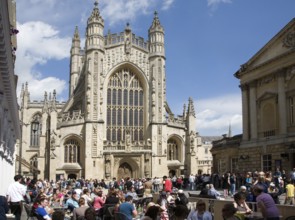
[
  {"x": 119, "y": 39},
  {"x": 122, "y": 146}
]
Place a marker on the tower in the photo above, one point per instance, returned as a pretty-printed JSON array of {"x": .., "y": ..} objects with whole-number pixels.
[
  {"x": 75, "y": 61},
  {"x": 157, "y": 68},
  {"x": 93, "y": 88}
]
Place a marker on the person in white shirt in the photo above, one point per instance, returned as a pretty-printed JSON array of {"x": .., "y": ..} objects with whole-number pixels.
[
  {"x": 15, "y": 194},
  {"x": 192, "y": 179}
]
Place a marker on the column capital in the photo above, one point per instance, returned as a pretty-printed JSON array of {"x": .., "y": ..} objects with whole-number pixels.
[
  {"x": 253, "y": 84},
  {"x": 244, "y": 87}
]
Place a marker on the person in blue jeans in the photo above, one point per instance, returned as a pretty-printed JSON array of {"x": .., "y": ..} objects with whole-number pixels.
[
  {"x": 232, "y": 181},
  {"x": 3, "y": 207}
]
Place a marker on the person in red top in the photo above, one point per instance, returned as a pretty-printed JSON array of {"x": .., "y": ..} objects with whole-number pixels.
[{"x": 168, "y": 184}]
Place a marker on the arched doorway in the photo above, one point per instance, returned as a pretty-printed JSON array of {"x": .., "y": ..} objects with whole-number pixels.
[
  {"x": 72, "y": 176},
  {"x": 125, "y": 170}
]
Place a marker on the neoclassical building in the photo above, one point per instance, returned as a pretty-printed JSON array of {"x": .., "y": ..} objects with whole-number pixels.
[
  {"x": 9, "y": 120},
  {"x": 117, "y": 121},
  {"x": 267, "y": 82}
]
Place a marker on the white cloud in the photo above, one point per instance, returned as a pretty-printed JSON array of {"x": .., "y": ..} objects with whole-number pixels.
[
  {"x": 48, "y": 84},
  {"x": 213, "y": 4},
  {"x": 42, "y": 22},
  {"x": 214, "y": 115},
  {"x": 216, "y": 2},
  {"x": 167, "y": 4},
  {"x": 126, "y": 10},
  {"x": 37, "y": 44}
]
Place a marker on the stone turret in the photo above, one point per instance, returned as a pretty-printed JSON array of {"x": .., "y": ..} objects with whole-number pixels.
[
  {"x": 24, "y": 96},
  {"x": 75, "y": 56},
  {"x": 94, "y": 30},
  {"x": 157, "y": 67},
  {"x": 191, "y": 116},
  {"x": 156, "y": 38}
]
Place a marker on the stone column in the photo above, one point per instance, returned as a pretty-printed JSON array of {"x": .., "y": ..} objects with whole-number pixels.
[
  {"x": 253, "y": 111},
  {"x": 245, "y": 112},
  {"x": 282, "y": 103}
]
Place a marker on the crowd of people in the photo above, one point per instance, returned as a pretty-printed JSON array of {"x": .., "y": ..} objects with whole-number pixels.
[{"x": 92, "y": 198}]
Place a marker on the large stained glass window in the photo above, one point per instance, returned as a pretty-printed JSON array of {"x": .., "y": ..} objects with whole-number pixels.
[
  {"x": 72, "y": 151},
  {"x": 125, "y": 110}
]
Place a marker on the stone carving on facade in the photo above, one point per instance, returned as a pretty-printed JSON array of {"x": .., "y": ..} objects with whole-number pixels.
[
  {"x": 127, "y": 46},
  {"x": 124, "y": 171},
  {"x": 289, "y": 40},
  {"x": 192, "y": 138},
  {"x": 128, "y": 140},
  {"x": 153, "y": 98},
  {"x": 116, "y": 161},
  {"x": 107, "y": 169},
  {"x": 266, "y": 80},
  {"x": 290, "y": 73},
  {"x": 154, "y": 84},
  {"x": 147, "y": 169},
  {"x": 137, "y": 160},
  {"x": 94, "y": 128}
]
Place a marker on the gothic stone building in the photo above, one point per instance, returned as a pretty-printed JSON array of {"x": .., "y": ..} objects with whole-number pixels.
[
  {"x": 267, "y": 83},
  {"x": 117, "y": 121}
]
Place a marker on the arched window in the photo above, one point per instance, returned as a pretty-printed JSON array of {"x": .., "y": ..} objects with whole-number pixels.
[
  {"x": 125, "y": 110},
  {"x": 72, "y": 151},
  {"x": 173, "y": 150},
  {"x": 36, "y": 129}
]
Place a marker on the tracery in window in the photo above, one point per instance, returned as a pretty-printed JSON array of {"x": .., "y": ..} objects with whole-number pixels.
[
  {"x": 125, "y": 110},
  {"x": 72, "y": 151},
  {"x": 36, "y": 130},
  {"x": 173, "y": 150}
]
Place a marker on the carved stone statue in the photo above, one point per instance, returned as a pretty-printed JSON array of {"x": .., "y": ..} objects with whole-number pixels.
[
  {"x": 128, "y": 140},
  {"x": 108, "y": 167},
  {"x": 192, "y": 138},
  {"x": 127, "y": 46}
]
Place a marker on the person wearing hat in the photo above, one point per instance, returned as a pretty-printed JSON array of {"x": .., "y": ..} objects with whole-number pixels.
[
  {"x": 181, "y": 198},
  {"x": 274, "y": 192}
]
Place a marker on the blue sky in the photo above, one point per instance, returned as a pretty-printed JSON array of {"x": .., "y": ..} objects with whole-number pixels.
[{"x": 206, "y": 42}]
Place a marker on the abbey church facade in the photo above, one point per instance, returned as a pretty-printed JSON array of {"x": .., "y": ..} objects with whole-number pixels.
[{"x": 116, "y": 122}]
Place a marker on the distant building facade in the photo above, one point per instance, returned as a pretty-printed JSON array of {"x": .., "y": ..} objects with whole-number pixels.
[
  {"x": 267, "y": 83},
  {"x": 205, "y": 160},
  {"x": 117, "y": 121},
  {"x": 9, "y": 120}
]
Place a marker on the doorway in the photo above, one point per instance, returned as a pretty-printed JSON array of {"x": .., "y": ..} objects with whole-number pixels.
[
  {"x": 125, "y": 170},
  {"x": 72, "y": 176}
]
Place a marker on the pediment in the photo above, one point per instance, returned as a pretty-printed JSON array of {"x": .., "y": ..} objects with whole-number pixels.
[{"x": 281, "y": 44}]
